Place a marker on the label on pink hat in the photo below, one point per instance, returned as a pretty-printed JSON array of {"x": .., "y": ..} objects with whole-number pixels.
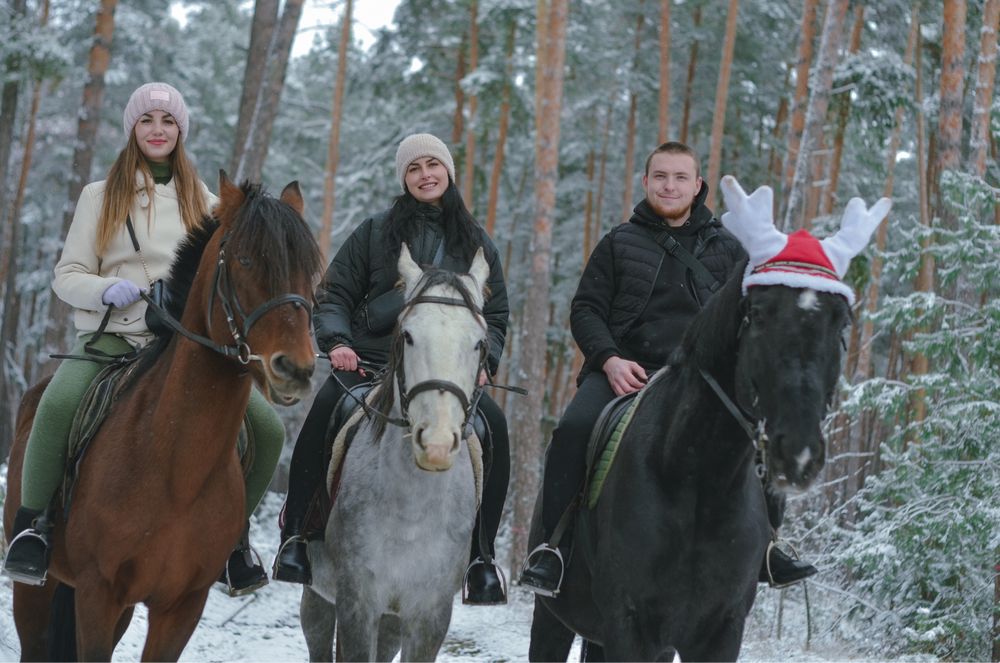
[{"x": 159, "y": 95}]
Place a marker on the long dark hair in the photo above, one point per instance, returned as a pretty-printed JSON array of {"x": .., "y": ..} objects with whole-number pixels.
[{"x": 461, "y": 230}]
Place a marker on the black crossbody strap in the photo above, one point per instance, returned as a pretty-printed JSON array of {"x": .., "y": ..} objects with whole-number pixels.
[{"x": 674, "y": 248}]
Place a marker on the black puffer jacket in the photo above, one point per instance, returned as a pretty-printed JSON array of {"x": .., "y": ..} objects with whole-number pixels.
[
  {"x": 614, "y": 297},
  {"x": 362, "y": 270}
]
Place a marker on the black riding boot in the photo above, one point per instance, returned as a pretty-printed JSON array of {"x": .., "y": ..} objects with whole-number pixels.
[
  {"x": 244, "y": 572},
  {"x": 292, "y": 562},
  {"x": 781, "y": 569},
  {"x": 27, "y": 557},
  {"x": 542, "y": 572}
]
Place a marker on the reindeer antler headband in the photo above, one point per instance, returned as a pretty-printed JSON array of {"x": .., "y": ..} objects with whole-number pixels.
[{"x": 798, "y": 260}]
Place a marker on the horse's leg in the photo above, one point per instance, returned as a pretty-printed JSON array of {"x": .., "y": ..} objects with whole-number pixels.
[
  {"x": 32, "y": 611},
  {"x": 723, "y": 645},
  {"x": 592, "y": 652},
  {"x": 389, "y": 635},
  {"x": 319, "y": 623},
  {"x": 357, "y": 629},
  {"x": 170, "y": 629},
  {"x": 550, "y": 639},
  {"x": 97, "y": 615},
  {"x": 424, "y": 633},
  {"x": 123, "y": 624}
]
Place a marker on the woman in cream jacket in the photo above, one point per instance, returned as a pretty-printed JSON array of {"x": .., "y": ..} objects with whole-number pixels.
[{"x": 101, "y": 273}]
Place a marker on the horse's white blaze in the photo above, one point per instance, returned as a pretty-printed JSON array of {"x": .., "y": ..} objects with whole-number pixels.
[
  {"x": 803, "y": 459},
  {"x": 808, "y": 301}
]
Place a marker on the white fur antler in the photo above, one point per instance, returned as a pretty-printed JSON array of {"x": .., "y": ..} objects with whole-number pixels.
[
  {"x": 751, "y": 220},
  {"x": 856, "y": 228}
]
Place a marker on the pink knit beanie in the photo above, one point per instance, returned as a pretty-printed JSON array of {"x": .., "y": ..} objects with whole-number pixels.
[{"x": 156, "y": 96}]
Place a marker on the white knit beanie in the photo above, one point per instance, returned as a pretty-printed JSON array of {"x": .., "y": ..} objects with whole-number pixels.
[
  {"x": 416, "y": 146},
  {"x": 156, "y": 96}
]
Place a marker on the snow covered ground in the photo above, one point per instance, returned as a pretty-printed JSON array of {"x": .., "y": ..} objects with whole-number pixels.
[{"x": 265, "y": 625}]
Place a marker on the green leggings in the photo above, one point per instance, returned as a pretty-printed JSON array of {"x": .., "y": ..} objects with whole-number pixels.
[{"x": 45, "y": 456}]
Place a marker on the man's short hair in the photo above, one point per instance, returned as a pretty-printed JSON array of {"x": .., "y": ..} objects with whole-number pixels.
[{"x": 673, "y": 147}]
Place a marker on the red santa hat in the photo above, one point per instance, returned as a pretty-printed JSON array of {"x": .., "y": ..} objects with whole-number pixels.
[{"x": 798, "y": 260}]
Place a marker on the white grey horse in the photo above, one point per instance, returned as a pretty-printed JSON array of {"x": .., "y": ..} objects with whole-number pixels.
[{"x": 397, "y": 541}]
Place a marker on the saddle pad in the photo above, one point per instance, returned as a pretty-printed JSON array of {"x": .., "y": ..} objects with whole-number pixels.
[
  {"x": 603, "y": 447},
  {"x": 342, "y": 442}
]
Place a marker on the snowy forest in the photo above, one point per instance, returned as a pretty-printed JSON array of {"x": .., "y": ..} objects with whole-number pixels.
[{"x": 550, "y": 108}]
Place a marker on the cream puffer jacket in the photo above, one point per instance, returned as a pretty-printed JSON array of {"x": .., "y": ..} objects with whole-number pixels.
[{"x": 82, "y": 276}]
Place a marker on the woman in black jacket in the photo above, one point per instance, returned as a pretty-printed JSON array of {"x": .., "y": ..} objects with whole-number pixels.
[{"x": 358, "y": 305}]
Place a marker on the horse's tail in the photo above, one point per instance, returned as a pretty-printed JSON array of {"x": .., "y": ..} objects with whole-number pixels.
[{"x": 62, "y": 625}]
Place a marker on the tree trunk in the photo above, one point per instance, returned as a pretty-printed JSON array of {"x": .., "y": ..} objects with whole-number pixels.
[
  {"x": 269, "y": 96},
  {"x": 333, "y": 146},
  {"x": 689, "y": 81},
  {"x": 774, "y": 159},
  {"x": 633, "y": 102},
  {"x": 803, "y": 62},
  {"x": 821, "y": 80},
  {"x": 265, "y": 17},
  {"x": 979, "y": 141},
  {"x": 664, "y": 125},
  {"x": 830, "y": 194},
  {"x": 952, "y": 80},
  {"x": 721, "y": 97},
  {"x": 925, "y": 277},
  {"x": 8, "y": 113},
  {"x": 601, "y": 179},
  {"x": 88, "y": 119},
  {"x": 864, "y": 367},
  {"x": 534, "y": 324},
  {"x": 458, "y": 118},
  {"x": 468, "y": 178},
  {"x": 504, "y": 122}
]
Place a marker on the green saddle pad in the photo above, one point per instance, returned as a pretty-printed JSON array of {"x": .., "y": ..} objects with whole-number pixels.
[{"x": 603, "y": 457}]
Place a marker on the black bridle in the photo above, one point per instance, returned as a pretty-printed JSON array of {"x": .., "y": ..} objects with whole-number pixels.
[
  {"x": 406, "y": 395},
  {"x": 229, "y": 301}
]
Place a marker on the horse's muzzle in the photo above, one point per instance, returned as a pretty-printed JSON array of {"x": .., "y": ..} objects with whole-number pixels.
[
  {"x": 793, "y": 463},
  {"x": 434, "y": 450},
  {"x": 288, "y": 382}
]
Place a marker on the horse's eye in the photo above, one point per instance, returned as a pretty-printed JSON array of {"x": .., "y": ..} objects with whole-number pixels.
[
  {"x": 407, "y": 337},
  {"x": 244, "y": 260}
]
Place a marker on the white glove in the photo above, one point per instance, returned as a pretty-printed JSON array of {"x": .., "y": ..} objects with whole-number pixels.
[{"x": 121, "y": 294}]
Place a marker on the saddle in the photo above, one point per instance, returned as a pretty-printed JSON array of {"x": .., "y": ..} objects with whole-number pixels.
[
  {"x": 94, "y": 408},
  {"x": 344, "y": 422},
  {"x": 604, "y": 442}
]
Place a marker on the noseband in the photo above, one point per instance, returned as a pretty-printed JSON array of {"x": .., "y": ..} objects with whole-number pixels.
[
  {"x": 229, "y": 301},
  {"x": 406, "y": 395}
]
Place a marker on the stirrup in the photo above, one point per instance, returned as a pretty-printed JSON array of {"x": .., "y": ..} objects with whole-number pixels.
[
  {"x": 279, "y": 574},
  {"x": 542, "y": 591},
  {"x": 24, "y": 578},
  {"x": 233, "y": 591},
  {"x": 792, "y": 553},
  {"x": 465, "y": 581}
]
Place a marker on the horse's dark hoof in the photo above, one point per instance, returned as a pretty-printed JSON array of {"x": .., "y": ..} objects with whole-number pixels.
[
  {"x": 484, "y": 584},
  {"x": 292, "y": 562},
  {"x": 244, "y": 572},
  {"x": 781, "y": 570},
  {"x": 27, "y": 558},
  {"x": 543, "y": 571}
]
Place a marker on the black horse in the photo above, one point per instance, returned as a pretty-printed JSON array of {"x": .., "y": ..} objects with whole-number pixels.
[{"x": 668, "y": 558}]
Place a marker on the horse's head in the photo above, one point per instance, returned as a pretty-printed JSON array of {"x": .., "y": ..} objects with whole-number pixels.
[
  {"x": 442, "y": 342},
  {"x": 264, "y": 273},
  {"x": 795, "y": 310}
]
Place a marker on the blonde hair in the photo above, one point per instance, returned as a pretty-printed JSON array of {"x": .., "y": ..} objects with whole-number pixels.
[{"x": 120, "y": 191}]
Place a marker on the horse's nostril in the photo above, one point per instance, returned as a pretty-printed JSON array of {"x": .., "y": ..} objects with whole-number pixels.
[
  {"x": 285, "y": 368},
  {"x": 419, "y": 437},
  {"x": 454, "y": 442}
]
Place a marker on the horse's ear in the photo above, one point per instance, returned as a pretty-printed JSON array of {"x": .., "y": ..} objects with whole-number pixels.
[
  {"x": 408, "y": 270},
  {"x": 480, "y": 269},
  {"x": 291, "y": 195},
  {"x": 230, "y": 198}
]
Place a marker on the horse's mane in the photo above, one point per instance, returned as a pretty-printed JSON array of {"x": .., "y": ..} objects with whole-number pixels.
[
  {"x": 265, "y": 229},
  {"x": 385, "y": 396},
  {"x": 710, "y": 340}
]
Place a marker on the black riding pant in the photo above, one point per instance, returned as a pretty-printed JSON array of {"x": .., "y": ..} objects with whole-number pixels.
[
  {"x": 566, "y": 457},
  {"x": 307, "y": 470}
]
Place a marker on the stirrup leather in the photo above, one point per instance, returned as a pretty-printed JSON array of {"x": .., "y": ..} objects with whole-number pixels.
[
  {"x": 539, "y": 549},
  {"x": 465, "y": 580},
  {"x": 24, "y": 537}
]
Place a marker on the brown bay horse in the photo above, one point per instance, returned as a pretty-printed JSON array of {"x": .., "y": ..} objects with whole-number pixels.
[{"x": 159, "y": 502}]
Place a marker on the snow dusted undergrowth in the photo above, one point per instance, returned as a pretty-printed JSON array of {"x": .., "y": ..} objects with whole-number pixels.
[{"x": 265, "y": 625}]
